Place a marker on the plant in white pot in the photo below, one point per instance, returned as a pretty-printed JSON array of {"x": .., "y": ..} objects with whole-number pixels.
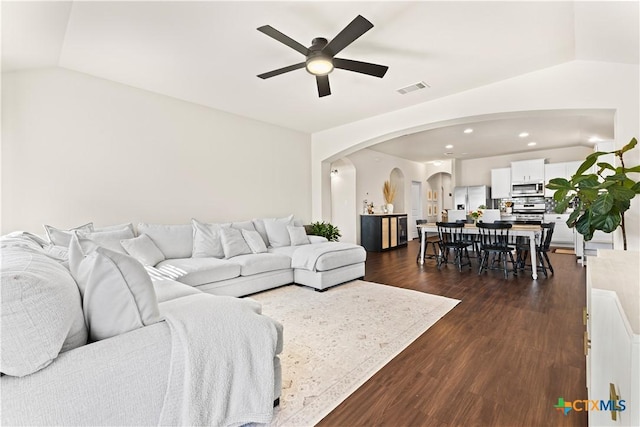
[
  {"x": 389, "y": 193},
  {"x": 601, "y": 199}
]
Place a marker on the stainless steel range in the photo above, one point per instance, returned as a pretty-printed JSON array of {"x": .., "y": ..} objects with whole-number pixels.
[{"x": 529, "y": 209}]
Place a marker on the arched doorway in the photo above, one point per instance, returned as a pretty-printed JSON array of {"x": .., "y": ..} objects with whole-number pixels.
[
  {"x": 440, "y": 186},
  {"x": 396, "y": 178}
]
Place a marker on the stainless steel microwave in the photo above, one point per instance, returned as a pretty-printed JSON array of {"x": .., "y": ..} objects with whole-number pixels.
[{"x": 527, "y": 189}]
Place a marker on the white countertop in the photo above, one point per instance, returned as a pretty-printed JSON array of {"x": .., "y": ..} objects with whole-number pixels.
[{"x": 619, "y": 271}]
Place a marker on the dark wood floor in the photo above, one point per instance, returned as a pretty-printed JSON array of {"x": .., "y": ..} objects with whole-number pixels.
[{"x": 502, "y": 357}]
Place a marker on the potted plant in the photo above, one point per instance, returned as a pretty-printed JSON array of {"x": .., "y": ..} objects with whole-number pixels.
[
  {"x": 389, "y": 193},
  {"x": 600, "y": 200},
  {"x": 326, "y": 230}
]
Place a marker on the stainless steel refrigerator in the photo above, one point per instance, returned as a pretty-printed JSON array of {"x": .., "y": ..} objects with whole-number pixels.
[{"x": 471, "y": 197}]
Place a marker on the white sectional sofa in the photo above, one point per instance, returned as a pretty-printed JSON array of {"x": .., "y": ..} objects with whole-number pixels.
[
  {"x": 112, "y": 325},
  {"x": 99, "y": 343},
  {"x": 220, "y": 268}
]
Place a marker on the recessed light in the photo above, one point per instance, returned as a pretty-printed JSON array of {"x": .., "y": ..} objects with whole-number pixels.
[
  {"x": 594, "y": 139},
  {"x": 468, "y": 130},
  {"x": 436, "y": 163},
  {"x": 448, "y": 146},
  {"x": 531, "y": 144},
  {"x": 523, "y": 134}
]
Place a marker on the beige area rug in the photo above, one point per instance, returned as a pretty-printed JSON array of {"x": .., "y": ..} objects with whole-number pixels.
[{"x": 334, "y": 341}]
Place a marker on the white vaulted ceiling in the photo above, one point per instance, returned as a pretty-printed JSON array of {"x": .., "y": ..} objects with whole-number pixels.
[{"x": 210, "y": 52}]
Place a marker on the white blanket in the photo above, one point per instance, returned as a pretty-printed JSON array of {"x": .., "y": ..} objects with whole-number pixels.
[
  {"x": 222, "y": 362},
  {"x": 306, "y": 256}
]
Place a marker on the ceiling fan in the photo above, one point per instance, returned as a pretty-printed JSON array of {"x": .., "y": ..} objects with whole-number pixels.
[{"x": 320, "y": 56}]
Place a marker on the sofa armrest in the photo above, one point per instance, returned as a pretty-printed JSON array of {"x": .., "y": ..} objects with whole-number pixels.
[
  {"x": 117, "y": 381},
  {"x": 317, "y": 239}
]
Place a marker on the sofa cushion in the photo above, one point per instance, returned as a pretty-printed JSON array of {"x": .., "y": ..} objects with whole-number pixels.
[
  {"x": 117, "y": 293},
  {"x": 170, "y": 289},
  {"x": 297, "y": 235},
  {"x": 41, "y": 310},
  {"x": 254, "y": 240},
  {"x": 206, "y": 239},
  {"x": 258, "y": 223},
  {"x": 261, "y": 263},
  {"x": 233, "y": 243},
  {"x": 198, "y": 271},
  {"x": 60, "y": 237},
  {"x": 244, "y": 225},
  {"x": 116, "y": 227},
  {"x": 143, "y": 249},
  {"x": 277, "y": 231},
  {"x": 175, "y": 241},
  {"x": 109, "y": 239}
]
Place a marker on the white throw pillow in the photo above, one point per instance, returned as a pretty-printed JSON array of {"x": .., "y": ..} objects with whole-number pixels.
[
  {"x": 277, "y": 231},
  {"x": 41, "y": 310},
  {"x": 206, "y": 239},
  {"x": 108, "y": 239},
  {"x": 143, "y": 249},
  {"x": 117, "y": 293},
  {"x": 298, "y": 235},
  {"x": 233, "y": 243},
  {"x": 254, "y": 240},
  {"x": 60, "y": 237},
  {"x": 259, "y": 225},
  {"x": 175, "y": 241},
  {"x": 244, "y": 225}
]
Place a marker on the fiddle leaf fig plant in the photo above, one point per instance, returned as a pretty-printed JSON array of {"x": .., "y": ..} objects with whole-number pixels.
[{"x": 600, "y": 197}]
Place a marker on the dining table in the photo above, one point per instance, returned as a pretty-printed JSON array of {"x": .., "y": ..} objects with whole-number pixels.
[{"x": 522, "y": 230}]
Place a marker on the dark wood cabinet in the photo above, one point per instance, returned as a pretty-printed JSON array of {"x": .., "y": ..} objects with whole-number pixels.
[{"x": 382, "y": 232}]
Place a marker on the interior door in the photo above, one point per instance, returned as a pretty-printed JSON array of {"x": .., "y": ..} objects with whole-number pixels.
[{"x": 416, "y": 207}]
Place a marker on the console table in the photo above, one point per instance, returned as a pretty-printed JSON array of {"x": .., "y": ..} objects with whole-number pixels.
[{"x": 381, "y": 232}]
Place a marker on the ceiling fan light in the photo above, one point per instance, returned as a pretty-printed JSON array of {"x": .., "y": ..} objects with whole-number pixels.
[{"x": 319, "y": 66}]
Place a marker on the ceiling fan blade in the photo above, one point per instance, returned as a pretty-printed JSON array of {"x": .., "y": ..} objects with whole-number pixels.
[
  {"x": 282, "y": 38},
  {"x": 360, "y": 67},
  {"x": 351, "y": 32},
  {"x": 281, "y": 70},
  {"x": 323, "y": 86}
]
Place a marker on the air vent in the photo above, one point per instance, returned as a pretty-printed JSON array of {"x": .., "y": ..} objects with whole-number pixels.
[{"x": 411, "y": 88}]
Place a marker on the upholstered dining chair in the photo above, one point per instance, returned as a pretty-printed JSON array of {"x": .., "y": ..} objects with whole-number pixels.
[
  {"x": 495, "y": 243},
  {"x": 452, "y": 239}
]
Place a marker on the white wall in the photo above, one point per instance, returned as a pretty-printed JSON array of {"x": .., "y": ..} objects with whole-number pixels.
[
  {"x": 344, "y": 206},
  {"x": 77, "y": 148},
  {"x": 572, "y": 85},
  {"x": 373, "y": 169},
  {"x": 478, "y": 171}
]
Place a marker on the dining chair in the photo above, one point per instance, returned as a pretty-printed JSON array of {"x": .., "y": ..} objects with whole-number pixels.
[
  {"x": 542, "y": 249},
  {"x": 429, "y": 239},
  {"x": 452, "y": 238},
  {"x": 495, "y": 243}
]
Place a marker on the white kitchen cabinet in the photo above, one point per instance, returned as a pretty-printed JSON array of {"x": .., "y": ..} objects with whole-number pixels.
[
  {"x": 527, "y": 170},
  {"x": 559, "y": 170},
  {"x": 553, "y": 170},
  {"x": 562, "y": 234},
  {"x": 501, "y": 183},
  {"x": 613, "y": 328}
]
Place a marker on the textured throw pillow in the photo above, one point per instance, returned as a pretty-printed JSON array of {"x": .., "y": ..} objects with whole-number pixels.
[
  {"x": 297, "y": 235},
  {"x": 41, "y": 311},
  {"x": 277, "y": 231},
  {"x": 60, "y": 237},
  {"x": 175, "y": 241},
  {"x": 259, "y": 226},
  {"x": 117, "y": 293},
  {"x": 254, "y": 240},
  {"x": 206, "y": 239},
  {"x": 244, "y": 225},
  {"x": 108, "y": 239},
  {"x": 233, "y": 243},
  {"x": 143, "y": 249}
]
